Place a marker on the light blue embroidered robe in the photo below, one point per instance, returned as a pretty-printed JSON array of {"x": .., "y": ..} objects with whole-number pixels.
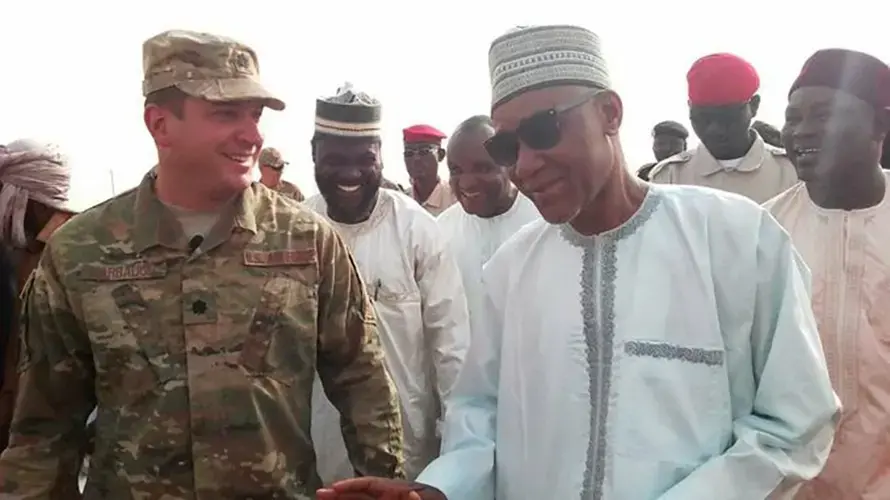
[{"x": 674, "y": 358}]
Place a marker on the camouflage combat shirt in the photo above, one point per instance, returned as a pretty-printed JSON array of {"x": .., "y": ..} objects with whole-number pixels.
[
  {"x": 290, "y": 189},
  {"x": 202, "y": 363}
]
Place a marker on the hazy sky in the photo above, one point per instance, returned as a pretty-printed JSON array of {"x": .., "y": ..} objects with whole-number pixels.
[{"x": 71, "y": 71}]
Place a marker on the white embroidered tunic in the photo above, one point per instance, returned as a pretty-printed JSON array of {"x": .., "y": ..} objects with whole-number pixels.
[
  {"x": 423, "y": 323},
  {"x": 673, "y": 358},
  {"x": 474, "y": 240}
]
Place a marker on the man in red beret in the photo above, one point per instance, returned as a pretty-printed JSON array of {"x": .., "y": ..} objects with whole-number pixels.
[
  {"x": 732, "y": 156},
  {"x": 423, "y": 153},
  {"x": 836, "y": 121}
]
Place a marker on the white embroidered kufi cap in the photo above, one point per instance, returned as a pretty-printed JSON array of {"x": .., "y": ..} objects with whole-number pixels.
[{"x": 529, "y": 58}]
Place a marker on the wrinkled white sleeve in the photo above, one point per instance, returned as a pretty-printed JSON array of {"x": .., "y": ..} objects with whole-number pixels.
[
  {"x": 446, "y": 322},
  {"x": 787, "y": 436},
  {"x": 465, "y": 470}
]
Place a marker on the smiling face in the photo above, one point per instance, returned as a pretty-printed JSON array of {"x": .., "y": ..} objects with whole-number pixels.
[
  {"x": 567, "y": 177},
  {"x": 827, "y": 132},
  {"x": 211, "y": 146},
  {"x": 481, "y": 186},
  {"x": 348, "y": 172}
]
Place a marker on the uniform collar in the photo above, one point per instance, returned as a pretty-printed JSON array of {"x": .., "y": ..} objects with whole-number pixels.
[
  {"x": 752, "y": 160},
  {"x": 437, "y": 197},
  {"x": 155, "y": 224}
]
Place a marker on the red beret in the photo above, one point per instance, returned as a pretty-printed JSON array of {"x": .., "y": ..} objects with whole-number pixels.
[
  {"x": 721, "y": 80},
  {"x": 423, "y": 133},
  {"x": 857, "y": 73}
]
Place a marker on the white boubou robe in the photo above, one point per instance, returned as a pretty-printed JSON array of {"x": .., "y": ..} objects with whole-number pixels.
[
  {"x": 474, "y": 240},
  {"x": 422, "y": 316},
  {"x": 673, "y": 358}
]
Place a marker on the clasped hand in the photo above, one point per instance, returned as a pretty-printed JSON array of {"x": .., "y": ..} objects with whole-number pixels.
[{"x": 375, "y": 488}]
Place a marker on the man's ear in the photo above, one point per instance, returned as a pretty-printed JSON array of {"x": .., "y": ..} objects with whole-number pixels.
[
  {"x": 157, "y": 121},
  {"x": 754, "y": 105},
  {"x": 612, "y": 111},
  {"x": 440, "y": 154}
]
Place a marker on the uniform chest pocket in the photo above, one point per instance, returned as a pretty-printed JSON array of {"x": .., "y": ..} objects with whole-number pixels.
[
  {"x": 124, "y": 311},
  {"x": 282, "y": 333},
  {"x": 684, "y": 387}
]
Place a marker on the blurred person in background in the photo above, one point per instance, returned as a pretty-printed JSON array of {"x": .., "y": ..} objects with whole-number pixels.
[
  {"x": 272, "y": 165},
  {"x": 668, "y": 139},
  {"x": 423, "y": 153},
  {"x": 35, "y": 180}
]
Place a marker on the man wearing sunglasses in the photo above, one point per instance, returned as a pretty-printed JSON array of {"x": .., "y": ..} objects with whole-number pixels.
[
  {"x": 643, "y": 341},
  {"x": 732, "y": 156},
  {"x": 423, "y": 153},
  {"x": 272, "y": 165}
]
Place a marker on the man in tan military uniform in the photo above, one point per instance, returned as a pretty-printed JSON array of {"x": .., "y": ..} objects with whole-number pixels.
[
  {"x": 731, "y": 157},
  {"x": 668, "y": 139},
  {"x": 271, "y": 167},
  {"x": 194, "y": 311},
  {"x": 423, "y": 154}
]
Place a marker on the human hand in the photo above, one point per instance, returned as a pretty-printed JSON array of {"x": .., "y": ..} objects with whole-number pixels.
[{"x": 376, "y": 488}]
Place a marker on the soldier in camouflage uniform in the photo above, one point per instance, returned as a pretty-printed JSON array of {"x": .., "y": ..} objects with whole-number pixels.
[
  {"x": 271, "y": 167},
  {"x": 198, "y": 348}
]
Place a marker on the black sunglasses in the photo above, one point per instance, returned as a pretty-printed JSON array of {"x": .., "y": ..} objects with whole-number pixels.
[{"x": 540, "y": 131}]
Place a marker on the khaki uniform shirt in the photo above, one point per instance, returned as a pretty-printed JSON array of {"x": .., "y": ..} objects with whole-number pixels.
[
  {"x": 289, "y": 189},
  {"x": 760, "y": 175},
  {"x": 202, "y": 363},
  {"x": 440, "y": 199}
]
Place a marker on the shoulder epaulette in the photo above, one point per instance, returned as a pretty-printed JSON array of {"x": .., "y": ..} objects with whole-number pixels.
[
  {"x": 682, "y": 157},
  {"x": 775, "y": 151}
]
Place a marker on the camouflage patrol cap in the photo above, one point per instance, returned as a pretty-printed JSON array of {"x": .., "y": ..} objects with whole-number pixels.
[
  {"x": 271, "y": 157},
  {"x": 205, "y": 66}
]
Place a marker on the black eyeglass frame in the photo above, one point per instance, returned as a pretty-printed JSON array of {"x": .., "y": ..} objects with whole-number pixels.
[{"x": 529, "y": 128}]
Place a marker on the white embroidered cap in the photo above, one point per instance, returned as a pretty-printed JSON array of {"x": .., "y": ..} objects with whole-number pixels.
[{"x": 529, "y": 58}]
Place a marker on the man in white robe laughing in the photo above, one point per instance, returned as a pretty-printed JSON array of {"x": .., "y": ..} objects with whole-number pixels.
[{"x": 410, "y": 274}]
